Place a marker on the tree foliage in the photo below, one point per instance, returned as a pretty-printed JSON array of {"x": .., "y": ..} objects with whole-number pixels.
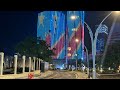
[
  {"x": 112, "y": 58},
  {"x": 33, "y": 47}
]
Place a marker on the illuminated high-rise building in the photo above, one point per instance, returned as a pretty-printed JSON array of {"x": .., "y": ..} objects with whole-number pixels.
[
  {"x": 59, "y": 31},
  {"x": 101, "y": 40}
]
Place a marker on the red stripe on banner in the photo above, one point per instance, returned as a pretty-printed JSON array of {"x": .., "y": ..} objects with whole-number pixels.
[
  {"x": 59, "y": 46},
  {"x": 72, "y": 41},
  {"x": 48, "y": 38}
]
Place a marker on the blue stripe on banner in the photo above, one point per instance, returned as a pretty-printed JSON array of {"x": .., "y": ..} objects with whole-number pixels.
[
  {"x": 52, "y": 29},
  {"x": 43, "y": 28},
  {"x": 79, "y": 51},
  {"x": 61, "y": 32},
  {"x": 62, "y": 55}
]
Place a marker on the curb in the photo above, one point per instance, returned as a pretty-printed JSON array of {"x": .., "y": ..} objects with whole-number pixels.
[{"x": 17, "y": 76}]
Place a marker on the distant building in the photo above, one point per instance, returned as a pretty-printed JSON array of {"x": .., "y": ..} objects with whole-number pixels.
[{"x": 101, "y": 40}]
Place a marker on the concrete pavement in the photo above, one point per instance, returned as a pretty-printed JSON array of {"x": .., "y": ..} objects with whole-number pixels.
[
  {"x": 81, "y": 75},
  {"x": 15, "y": 76},
  {"x": 61, "y": 74},
  {"x": 43, "y": 75},
  {"x": 25, "y": 75},
  {"x": 39, "y": 75},
  {"x": 49, "y": 74}
]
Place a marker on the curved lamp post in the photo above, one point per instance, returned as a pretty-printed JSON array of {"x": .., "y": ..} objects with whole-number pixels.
[
  {"x": 93, "y": 41},
  {"x": 87, "y": 61}
]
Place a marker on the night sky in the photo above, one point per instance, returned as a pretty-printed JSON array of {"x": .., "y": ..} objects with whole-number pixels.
[{"x": 16, "y": 25}]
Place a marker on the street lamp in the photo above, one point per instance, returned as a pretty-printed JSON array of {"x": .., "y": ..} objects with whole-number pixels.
[
  {"x": 76, "y": 40},
  {"x": 93, "y": 41},
  {"x": 74, "y": 17},
  {"x": 87, "y": 61}
]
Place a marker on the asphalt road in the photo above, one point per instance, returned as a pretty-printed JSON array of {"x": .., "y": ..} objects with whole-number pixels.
[{"x": 60, "y": 74}]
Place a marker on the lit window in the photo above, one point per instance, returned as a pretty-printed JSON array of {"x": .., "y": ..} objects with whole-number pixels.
[
  {"x": 69, "y": 54},
  {"x": 69, "y": 48}
]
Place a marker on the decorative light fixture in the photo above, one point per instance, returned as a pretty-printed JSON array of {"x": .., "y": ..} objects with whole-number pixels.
[
  {"x": 69, "y": 54},
  {"x": 76, "y": 40}
]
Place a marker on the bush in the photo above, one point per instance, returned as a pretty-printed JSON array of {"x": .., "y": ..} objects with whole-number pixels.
[
  {"x": 26, "y": 69},
  {"x": 106, "y": 71},
  {"x": 19, "y": 69}
]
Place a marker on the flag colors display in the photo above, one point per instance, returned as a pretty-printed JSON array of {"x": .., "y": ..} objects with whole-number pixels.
[{"x": 61, "y": 32}]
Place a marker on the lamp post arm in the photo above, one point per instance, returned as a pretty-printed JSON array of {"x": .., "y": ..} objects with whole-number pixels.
[
  {"x": 87, "y": 61},
  {"x": 106, "y": 17},
  {"x": 91, "y": 35},
  {"x": 87, "y": 54},
  {"x": 90, "y": 32},
  {"x": 102, "y": 22}
]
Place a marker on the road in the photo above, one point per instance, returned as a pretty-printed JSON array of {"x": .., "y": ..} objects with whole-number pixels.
[{"x": 60, "y": 74}]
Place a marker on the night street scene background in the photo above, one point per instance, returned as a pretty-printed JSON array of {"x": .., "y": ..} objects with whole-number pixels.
[{"x": 58, "y": 43}]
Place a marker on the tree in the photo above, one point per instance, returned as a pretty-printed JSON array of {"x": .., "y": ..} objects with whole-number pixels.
[
  {"x": 33, "y": 47},
  {"x": 112, "y": 58},
  {"x": 98, "y": 60}
]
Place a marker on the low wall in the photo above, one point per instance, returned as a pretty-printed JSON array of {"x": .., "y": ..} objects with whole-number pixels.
[{"x": 15, "y": 76}]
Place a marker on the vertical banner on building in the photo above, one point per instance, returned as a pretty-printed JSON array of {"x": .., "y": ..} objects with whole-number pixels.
[
  {"x": 77, "y": 26},
  {"x": 51, "y": 27}
]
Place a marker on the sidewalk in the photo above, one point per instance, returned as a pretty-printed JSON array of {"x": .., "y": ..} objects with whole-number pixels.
[
  {"x": 25, "y": 75},
  {"x": 81, "y": 75}
]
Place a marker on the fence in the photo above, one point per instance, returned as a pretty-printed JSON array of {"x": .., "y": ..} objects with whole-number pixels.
[{"x": 19, "y": 64}]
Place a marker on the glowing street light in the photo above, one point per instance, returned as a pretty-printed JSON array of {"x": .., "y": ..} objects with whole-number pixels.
[
  {"x": 73, "y": 17},
  {"x": 69, "y": 54},
  {"x": 117, "y": 12},
  {"x": 76, "y": 40}
]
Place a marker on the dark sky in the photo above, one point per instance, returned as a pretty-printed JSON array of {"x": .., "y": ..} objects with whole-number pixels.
[{"x": 16, "y": 25}]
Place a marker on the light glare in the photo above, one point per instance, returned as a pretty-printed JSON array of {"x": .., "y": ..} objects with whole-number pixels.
[
  {"x": 76, "y": 40},
  {"x": 73, "y": 17}
]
